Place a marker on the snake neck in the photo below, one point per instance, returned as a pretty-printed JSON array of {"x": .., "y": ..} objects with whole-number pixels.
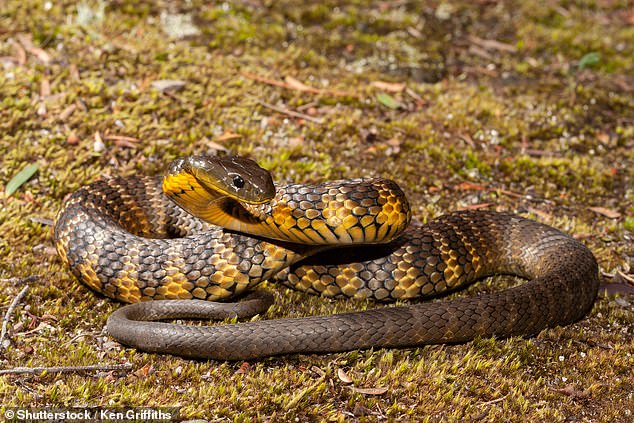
[{"x": 368, "y": 211}]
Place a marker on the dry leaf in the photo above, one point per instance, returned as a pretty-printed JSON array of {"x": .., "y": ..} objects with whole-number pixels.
[
  {"x": 41, "y": 54},
  {"x": 603, "y": 137},
  {"x": 164, "y": 85},
  {"x": 468, "y": 186},
  {"x": 144, "y": 371},
  {"x": 573, "y": 392},
  {"x": 45, "y": 87},
  {"x": 20, "y": 54},
  {"x": 369, "y": 391},
  {"x": 244, "y": 368},
  {"x": 317, "y": 370},
  {"x": 295, "y": 141},
  {"x": 298, "y": 85},
  {"x": 215, "y": 146},
  {"x": 393, "y": 146},
  {"x": 343, "y": 376},
  {"x": 361, "y": 410},
  {"x": 124, "y": 143},
  {"x": 28, "y": 197},
  {"x": 610, "y": 214},
  {"x": 65, "y": 114},
  {"x": 74, "y": 72},
  {"x": 394, "y": 87},
  {"x": 27, "y": 43},
  {"x": 414, "y": 32},
  {"x": 226, "y": 136},
  {"x": 394, "y": 142}
]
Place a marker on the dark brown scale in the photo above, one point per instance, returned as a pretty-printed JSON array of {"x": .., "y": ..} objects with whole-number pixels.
[{"x": 93, "y": 237}]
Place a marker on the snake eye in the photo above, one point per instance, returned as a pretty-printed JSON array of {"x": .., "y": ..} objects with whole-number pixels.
[{"x": 238, "y": 182}]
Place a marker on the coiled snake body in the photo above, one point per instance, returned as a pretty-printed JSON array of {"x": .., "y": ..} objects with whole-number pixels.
[{"x": 128, "y": 240}]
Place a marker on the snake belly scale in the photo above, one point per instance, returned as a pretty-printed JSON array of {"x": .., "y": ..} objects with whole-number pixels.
[{"x": 142, "y": 238}]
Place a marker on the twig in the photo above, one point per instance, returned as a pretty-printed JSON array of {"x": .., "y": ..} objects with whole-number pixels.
[
  {"x": 628, "y": 278},
  {"x": 508, "y": 193},
  {"x": 268, "y": 81},
  {"x": 493, "y": 44},
  {"x": 477, "y": 206},
  {"x": 414, "y": 95},
  {"x": 289, "y": 112},
  {"x": 20, "y": 281},
  {"x": 121, "y": 138},
  {"x": 74, "y": 338},
  {"x": 65, "y": 369},
  {"x": 295, "y": 87},
  {"x": 307, "y": 106},
  {"x": 493, "y": 401},
  {"x": 42, "y": 220},
  {"x": 9, "y": 313}
]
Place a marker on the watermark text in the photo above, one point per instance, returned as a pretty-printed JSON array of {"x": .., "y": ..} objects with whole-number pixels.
[{"x": 88, "y": 414}]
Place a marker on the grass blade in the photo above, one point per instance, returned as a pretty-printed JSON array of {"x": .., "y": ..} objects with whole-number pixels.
[
  {"x": 20, "y": 178},
  {"x": 388, "y": 101},
  {"x": 589, "y": 60}
]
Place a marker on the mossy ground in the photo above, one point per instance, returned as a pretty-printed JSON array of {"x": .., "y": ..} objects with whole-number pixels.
[{"x": 525, "y": 105}]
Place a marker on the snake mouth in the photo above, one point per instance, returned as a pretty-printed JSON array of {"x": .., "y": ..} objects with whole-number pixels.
[{"x": 219, "y": 191}]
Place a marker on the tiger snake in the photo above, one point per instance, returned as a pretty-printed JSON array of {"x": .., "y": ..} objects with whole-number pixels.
[{"x": 213, "y": 228}]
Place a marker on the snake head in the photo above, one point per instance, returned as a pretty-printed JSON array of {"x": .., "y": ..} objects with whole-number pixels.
[{"x": 235, "y": 177}]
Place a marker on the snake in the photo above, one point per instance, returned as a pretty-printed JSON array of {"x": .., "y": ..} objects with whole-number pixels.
[{"x": 213, "y": 228}]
